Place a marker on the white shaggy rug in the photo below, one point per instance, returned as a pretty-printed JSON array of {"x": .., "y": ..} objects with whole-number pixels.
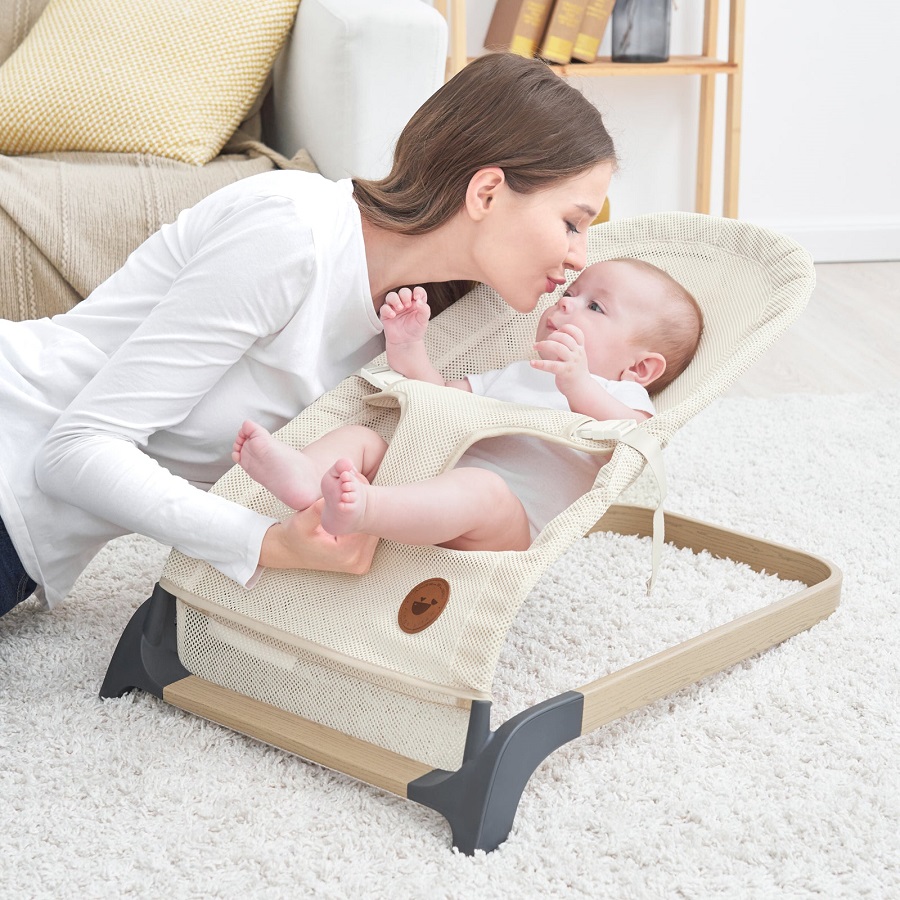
[{"x": 776, "y": 778}]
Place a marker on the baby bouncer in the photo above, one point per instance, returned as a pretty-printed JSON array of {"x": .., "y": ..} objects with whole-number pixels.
[{"x": 387, "y": 676}]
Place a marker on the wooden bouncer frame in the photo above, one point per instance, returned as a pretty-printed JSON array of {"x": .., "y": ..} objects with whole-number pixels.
[{"x": 479, "y": 800}]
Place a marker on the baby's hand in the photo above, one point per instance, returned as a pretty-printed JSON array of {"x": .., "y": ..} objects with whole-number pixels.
[
  {"x": 562, "y": 354},
  {"x": 405, "y": 315}
]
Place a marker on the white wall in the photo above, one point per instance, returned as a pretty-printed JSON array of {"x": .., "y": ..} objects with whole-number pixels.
[{"x": 820, "y": 147}]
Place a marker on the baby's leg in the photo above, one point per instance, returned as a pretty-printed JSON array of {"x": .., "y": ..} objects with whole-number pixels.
[
  {"x": 295, "y": 476},
  {"x": 463, "y": 509}
]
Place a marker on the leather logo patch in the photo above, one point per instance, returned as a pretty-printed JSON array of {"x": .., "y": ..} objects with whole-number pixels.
[{"x": 423, "y": 604}]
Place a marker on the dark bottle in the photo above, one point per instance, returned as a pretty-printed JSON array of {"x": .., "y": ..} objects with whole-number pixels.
[{"x": 640, "y": 31}]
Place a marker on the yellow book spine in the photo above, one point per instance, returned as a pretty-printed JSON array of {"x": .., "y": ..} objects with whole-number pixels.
[
  {"x": 562, "y": 30},
  {"x": 517, "y": 25},
  {"x": 524, "y": 46},
  {"x": 592, "y": 29},
  {"x": 557, "y": 49}
]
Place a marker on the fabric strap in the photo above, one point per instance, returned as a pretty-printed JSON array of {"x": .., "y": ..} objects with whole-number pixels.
[{"x": 626, "y": 431}]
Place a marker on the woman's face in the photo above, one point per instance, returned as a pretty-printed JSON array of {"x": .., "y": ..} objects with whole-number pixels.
[{"x": 529, "y": 240}]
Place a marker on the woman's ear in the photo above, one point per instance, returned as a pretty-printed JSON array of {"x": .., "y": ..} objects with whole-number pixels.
[
  {"x": 482, "y": 191},
  {"x": 646, "y": 369}
]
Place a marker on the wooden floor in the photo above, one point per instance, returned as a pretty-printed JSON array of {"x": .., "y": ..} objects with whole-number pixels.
[{"x": 846, "y": 340}]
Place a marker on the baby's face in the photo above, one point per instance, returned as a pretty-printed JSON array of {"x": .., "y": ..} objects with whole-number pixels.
[{"x": 613, "y": 304}]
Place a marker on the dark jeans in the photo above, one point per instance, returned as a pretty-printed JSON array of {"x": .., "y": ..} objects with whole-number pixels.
[{"x": 15, "y": 585}]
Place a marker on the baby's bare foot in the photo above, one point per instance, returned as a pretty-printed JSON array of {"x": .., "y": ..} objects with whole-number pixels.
[
  {"x": 345, "y": 491},
  {"x": 286, "y": 472}
]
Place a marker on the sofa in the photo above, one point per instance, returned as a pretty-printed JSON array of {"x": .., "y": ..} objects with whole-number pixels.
[{"x": 332, "y": 82}]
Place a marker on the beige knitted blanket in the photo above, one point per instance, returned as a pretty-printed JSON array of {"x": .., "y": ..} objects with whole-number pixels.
[{"x": 69, "y": 220}]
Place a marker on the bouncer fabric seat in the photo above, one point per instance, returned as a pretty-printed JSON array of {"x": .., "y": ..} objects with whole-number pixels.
[{"x": 388, "y": 675}]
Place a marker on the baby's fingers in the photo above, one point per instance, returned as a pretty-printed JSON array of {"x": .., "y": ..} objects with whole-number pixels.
[
  {"x": 565, "y": 337},
  {"x": 554, "y": 366},
  {"x": 546, "y": 350},
  {"x": 572, "y": 332},
  {"x": 420, "y": 304},
  {"x": 399, "y": 300},
  {"x": 396, "y": 303},
  {"x": 553, "y": 349},
  {"x": 392, "y": 304}
]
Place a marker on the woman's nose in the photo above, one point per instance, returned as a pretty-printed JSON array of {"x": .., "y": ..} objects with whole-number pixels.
[{"x": 576, "y": 258}]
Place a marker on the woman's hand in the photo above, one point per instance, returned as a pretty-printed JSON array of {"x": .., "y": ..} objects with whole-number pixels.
[{"x": 300, "y": 542}]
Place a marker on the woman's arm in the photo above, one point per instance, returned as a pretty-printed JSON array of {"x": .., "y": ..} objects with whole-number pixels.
[{"x": 233, "y": 290}]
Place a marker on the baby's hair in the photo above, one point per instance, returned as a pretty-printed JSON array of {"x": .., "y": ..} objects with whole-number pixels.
[{"x": 676, "y": 333}]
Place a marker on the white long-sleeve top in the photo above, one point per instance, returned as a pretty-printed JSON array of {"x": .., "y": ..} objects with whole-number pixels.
[{"x": 118, "y": 415}]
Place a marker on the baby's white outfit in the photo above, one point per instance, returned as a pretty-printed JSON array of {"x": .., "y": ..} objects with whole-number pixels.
[{"x": 547, "y": 477}]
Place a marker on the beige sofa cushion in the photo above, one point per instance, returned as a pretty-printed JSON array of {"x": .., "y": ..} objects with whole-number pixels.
[{"x": 161, "y": 77}]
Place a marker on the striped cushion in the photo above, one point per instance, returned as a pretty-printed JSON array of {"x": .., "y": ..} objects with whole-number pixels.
[{"x": 164, "y": 77}]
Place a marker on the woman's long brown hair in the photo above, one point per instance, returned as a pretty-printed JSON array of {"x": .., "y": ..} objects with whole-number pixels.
[{"x": 501, "y": 110}]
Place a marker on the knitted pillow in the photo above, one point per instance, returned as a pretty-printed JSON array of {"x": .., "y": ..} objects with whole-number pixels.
[{"x": 164, "y": 77}]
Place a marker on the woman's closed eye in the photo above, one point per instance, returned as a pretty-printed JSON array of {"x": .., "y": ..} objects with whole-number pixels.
[{"x": 571, "y": 228}]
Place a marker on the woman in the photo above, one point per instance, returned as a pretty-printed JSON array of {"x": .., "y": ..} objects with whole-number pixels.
[{"x": 120, "y": 414}]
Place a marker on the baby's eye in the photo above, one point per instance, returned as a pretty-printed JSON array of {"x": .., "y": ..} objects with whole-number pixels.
[{"x": 594, "y": 306}]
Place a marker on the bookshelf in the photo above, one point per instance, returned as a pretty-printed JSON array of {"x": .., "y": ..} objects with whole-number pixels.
[{"x": 707, "y": 65}]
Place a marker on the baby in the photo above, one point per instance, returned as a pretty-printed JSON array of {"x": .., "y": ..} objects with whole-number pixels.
[{"x": 621, "y": 327}]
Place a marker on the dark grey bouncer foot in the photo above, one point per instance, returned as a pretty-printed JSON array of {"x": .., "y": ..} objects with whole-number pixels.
[
  {"x": 146, "y": 656},
  {"x": 480, "y": 799}
]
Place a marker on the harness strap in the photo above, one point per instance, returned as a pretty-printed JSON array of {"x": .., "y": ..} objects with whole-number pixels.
[{"x": 627, "y": 432}]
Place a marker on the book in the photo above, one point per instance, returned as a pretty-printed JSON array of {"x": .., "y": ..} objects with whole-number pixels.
[
  {"x": 562, "y": 30},
  {"x": 518, "y": 25},
  {"x": 592, "y": 29}
]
